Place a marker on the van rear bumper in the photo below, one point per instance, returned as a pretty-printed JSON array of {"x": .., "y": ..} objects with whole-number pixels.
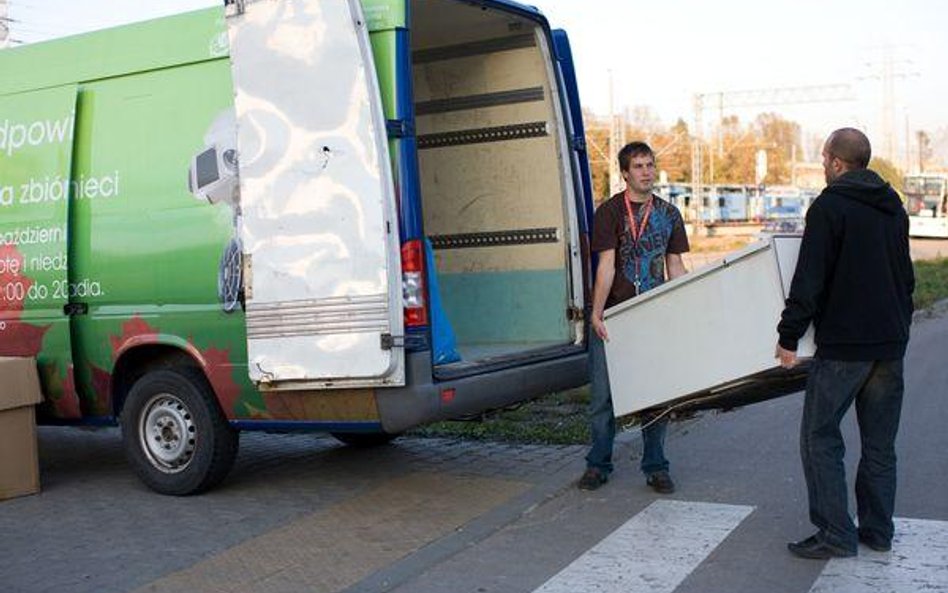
[{"x": 423, "y": 400}]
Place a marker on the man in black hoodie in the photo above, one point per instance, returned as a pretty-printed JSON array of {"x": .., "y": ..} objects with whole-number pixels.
[{"x": 854, "y": 281}]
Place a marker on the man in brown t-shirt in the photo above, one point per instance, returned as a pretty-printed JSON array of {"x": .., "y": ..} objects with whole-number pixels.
[{"x": 639, "y": 239}]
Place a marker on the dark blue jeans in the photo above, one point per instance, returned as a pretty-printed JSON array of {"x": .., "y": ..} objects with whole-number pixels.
[
  {"x": 602, "y": 420},
  {"x": 833, "y": 385}
]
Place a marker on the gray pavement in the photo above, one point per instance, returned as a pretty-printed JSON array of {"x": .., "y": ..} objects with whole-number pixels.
[{"x": 95, "y": 528}]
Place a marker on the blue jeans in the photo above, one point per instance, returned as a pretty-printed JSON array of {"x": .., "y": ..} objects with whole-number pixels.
[
  {"x": 602, "y": 420},
  {"x": 832, "y": 386}
]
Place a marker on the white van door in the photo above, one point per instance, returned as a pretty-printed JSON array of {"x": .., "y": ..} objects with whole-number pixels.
[{"x": 317, "y": 218}]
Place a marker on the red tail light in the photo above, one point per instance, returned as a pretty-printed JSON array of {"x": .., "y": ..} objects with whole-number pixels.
[{"x": 413, "y": 283}]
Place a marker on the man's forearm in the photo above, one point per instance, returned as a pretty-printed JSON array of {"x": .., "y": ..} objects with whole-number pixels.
[
  {"x": 604, "y": 279},
  {"x": 675, "y": 265}
]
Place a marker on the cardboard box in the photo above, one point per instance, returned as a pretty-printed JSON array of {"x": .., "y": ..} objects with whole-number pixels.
[
  {"x": 714, "y": 329},
  {"x": 19, "y": 459}
]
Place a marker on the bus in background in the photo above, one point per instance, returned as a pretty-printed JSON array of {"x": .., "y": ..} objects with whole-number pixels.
[{"x": 926, "y": 199}]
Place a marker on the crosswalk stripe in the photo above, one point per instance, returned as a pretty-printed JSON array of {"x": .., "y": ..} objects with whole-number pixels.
[
  {"x": 918, "y": 562},
  {"x": 654, "y": 551}
]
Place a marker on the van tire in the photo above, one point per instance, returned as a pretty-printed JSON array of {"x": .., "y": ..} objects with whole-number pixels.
[
  {"x": 364, "y": 440},
  {"x": 163, "y": 406}
]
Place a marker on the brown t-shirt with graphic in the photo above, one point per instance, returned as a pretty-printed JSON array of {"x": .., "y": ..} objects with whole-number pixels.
[{"x": 639, "y": 262}]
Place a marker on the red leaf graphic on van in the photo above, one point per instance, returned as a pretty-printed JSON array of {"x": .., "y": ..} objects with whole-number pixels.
[
  {"x": 102, "y": 387},
  {"x": 67, "y": 405},
  {"x": 220, "y": 372},
  {"x": 135, "y": 329},
  {"x": 21, "y": 339},
  {"x": 17, "y": 338}
]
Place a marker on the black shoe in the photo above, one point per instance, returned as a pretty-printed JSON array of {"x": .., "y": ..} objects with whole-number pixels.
[
  {"x": 661, "y": 482},
  {"x": 874, "y": 543},
  {"x": 816, "y": 549},
  {"x": 592, "y": 479}
]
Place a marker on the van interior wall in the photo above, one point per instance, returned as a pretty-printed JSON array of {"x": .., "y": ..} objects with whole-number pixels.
[{"x": 491, "y": 185}]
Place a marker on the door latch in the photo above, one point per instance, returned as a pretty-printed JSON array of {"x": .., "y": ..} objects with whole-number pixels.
[
  {"x": 71, "y": 309},
  {"x": 389, "y": 341}
]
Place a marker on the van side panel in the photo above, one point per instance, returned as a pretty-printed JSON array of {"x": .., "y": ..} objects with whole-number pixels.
[
  {"x": 160, "y": 43},
  {"x": 36, "y": 136},
  {"x": 147, "y": 251}
]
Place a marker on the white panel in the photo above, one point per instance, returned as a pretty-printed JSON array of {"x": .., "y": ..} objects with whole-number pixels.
[
  {"x": 654, "y": 551},
  {"x": 788, "y": 251},
  {"x": 318, "y": 220},
  {"x": 706, "y": 329},
  {"x": 918, "y": 562}
]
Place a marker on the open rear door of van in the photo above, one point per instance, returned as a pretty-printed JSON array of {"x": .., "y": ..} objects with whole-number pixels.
[{"x": 322, "y": 280}]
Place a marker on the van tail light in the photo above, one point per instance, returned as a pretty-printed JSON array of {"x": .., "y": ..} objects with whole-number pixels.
[{"x": 413, "y": 283}]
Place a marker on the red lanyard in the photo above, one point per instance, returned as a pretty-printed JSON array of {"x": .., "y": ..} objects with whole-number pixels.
[{"x": 637, "y": 231}]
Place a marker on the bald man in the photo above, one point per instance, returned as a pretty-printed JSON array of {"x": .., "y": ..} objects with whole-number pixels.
[{"x": 854, "y": 281}]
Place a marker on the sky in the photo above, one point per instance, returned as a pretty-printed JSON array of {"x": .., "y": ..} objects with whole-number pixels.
[{"x": 661, "y": 53}]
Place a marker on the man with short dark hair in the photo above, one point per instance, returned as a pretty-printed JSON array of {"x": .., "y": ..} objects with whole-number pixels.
[
  {"x": 639, "y": 238},
  {"x": 854, "y": 280}
]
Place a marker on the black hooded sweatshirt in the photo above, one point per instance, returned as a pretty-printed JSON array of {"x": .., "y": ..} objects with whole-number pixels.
[{"x": 854, "y": 277}]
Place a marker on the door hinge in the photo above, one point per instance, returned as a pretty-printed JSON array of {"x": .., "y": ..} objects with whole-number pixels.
[
  {"x": 71, "y": 309},
  {"x": 574, "y": 314},
  {"x": 399, "y": 128},
  {"x": 389, "y": 341}
]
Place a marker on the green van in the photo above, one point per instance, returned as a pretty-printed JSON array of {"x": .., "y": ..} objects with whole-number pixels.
[{"x": 293, "y": 215}]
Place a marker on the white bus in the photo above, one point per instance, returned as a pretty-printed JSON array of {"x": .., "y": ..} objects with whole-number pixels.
[{"x": 926, "y": 199}]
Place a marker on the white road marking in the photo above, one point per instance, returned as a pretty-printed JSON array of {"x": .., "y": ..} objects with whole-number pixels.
[
  {"x": 654, "y": 551},
  {"x": 918, "y": 562}
]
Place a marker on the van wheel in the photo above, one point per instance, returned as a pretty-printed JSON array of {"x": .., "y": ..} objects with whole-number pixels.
[
  {"x": 176, "y": 438},
  {"x": 364, "y": 440}
]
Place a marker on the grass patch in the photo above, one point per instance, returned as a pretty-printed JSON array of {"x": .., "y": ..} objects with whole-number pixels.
[
  {"x": 554, "y": 419},
  {"x": 931, "y": 282}
]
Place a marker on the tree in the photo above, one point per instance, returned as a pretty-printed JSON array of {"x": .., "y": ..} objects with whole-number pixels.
[
  {"x": 734, "y": 157},
  {"x": 781, "y": 139},
  {"x": 597, "y": 148},
  {"x": 887, "y": 171},
  {"x": 673, "y": 148}
]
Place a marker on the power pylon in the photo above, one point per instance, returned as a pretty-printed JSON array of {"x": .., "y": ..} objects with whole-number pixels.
[{"x": 887, "y": 69}]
